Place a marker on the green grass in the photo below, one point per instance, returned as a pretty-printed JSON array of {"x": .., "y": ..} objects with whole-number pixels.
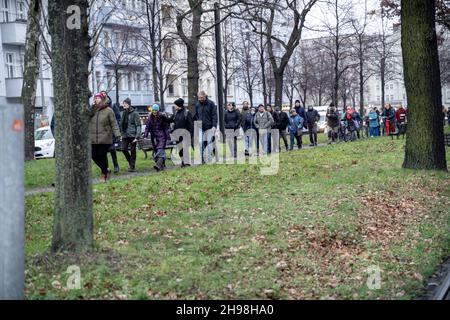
[
  {"x": 41, "y": 173},
  {"x": 227, "y": 232}
]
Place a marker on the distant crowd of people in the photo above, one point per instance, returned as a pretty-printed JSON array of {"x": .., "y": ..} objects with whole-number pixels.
[{"x": 265, "y": 128}]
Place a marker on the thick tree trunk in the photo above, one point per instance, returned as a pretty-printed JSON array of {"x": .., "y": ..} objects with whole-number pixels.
[
  {"x": 73, "y": 217},
  {"x": 193, "y": 75},
  {"x": 155, "y": 79},
  {"x": 425, "y": 137},
  {"x": 31, "y": 75},
  {"x": 278, "y": 89}
]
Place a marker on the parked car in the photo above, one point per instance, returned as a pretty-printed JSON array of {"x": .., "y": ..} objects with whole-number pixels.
[{"x": 44, "y": 143}]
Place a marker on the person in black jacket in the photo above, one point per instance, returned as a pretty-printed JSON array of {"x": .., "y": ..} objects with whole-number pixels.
[
  {"x": 312, "y": 116},
  {"x": 183, "y": 120},
  {"x": 300, "y": 110},
  {"x": 283, "y": 122},
  {"x": 232, "y": 120},
  {"x": 206, "y": 112}
]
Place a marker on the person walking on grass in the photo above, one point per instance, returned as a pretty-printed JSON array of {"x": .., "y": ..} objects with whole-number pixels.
[
  {"x": 295, "y": 128},
  {"x": 206, "y": 112},
  {"x": 263, "y": 123},
  {"x": 333, "y": 123},
  {"x": 158, "y": 126},
  {"x": 250, "y": 130},
  {"x": 374, "y": 123},
  {"x": 274, "y": 126},
  {"x": 131, "y": 129},
  {"x": 312, "y": 117},
  {"x": 183, "y": 120},
  {"x": 102, "y": 127},
  {"x": 388, "y": 116},
  {"x": 232, "y": 121},
  {"x": 112, "y": 149},
  {"x": 282, "y": 125}
]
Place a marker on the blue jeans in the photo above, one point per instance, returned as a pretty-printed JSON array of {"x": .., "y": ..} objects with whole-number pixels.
[{"x": 374, "y": 132}]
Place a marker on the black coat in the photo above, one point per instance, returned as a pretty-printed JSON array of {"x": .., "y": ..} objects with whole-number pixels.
[
  {"x": 232, "y": 119},
  {"x": 276, "y": 120},
  {"x": 312, "y": 116},
  {"x": 284, "y": 120},
  {"x": 207, "y": 113},
  {"x": 183, "y": 120}
]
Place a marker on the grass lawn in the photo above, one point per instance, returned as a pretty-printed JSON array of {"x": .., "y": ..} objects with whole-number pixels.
[
  {"x": 41, "y": 173},
  {"x": 226, "y": 232}
]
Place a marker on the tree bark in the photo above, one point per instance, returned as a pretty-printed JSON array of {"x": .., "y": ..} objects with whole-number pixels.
[
  {"x": 425, "y": 136},
  {"x": 31, "y": 75},
  {"x": 193, "y": 74},
  {"x": 73, "y": 216}
]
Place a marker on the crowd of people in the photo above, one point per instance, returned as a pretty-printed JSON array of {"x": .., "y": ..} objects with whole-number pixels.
[{"x": 264, "y": 128}]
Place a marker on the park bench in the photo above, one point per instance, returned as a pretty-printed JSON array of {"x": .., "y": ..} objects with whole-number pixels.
[{"x": 145, "y": 144}]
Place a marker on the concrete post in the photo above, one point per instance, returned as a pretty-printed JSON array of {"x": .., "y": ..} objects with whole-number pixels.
[{"x": 12, "y": 208}]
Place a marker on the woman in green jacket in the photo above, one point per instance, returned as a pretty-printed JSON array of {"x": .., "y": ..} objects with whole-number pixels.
[{"x": 102, "y": 126}]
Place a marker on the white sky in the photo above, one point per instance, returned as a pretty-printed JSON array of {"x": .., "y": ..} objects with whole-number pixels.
[{"x": 318, "y": 15}]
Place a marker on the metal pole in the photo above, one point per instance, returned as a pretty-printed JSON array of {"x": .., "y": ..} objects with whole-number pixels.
[
  {"x": 219, "y": 67},
  {"x": 12, "y": 208}
]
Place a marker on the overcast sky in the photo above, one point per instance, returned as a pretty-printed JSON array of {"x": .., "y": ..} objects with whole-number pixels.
[{"x": 320, "y": 13}]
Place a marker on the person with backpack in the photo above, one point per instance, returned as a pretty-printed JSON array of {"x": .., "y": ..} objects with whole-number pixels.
[
  {"x": 131, "y": 128},
  {"x": 312, "y": 117},
  {"x": 102, "y": 127},
  {"x": 263, "y": 123},
  {"x": 282, "y": 125},
  {"x": 232, "y": 121},
  {"x": 183, "y": 120},
  {"x": 332, "y": 123},
  {"x": 374, "y": 123},
  {"x": 295, "y": 128},
  {"x": 157, "y": 126},
  {"x": 250, "y": 131}
]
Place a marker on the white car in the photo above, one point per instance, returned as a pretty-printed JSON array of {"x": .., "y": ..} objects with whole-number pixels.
[{"x": 44, "y": 143}]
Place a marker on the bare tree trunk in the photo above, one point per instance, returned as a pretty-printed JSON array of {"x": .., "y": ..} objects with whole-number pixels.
[
  {"x": 117, "y": 76},
  {"x": 73, "y": 217},
  {"x": 361, "y": 79},
  {"x": 425, "y": 138},
  {"x": 383, "y": 83},
  {"x": 31, "y": 75},
  {"x": 193, "y": 74}
]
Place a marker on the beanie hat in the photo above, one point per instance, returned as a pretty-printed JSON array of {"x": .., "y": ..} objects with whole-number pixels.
[
  {"x": 155, "y": 107},
  {"x": 127, "y": 101},
  {"x": 179, "y": 102},
  {"x": 100, "y": 95}
]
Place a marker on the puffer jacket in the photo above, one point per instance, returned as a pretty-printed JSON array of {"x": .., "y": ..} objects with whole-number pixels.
[{"x": 103, "y": 125}]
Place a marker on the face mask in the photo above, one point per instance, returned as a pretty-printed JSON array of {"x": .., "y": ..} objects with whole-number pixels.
[{"x": 310, "y": 109}]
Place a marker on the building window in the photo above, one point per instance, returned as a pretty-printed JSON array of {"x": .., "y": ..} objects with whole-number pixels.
[
  {"x": 171, "y": 85},
  {"x": 5, "y": 11},
  {"x": 138, "y": 82},
  {"x": 21, "y": 14},
  {"x": 10, "y": 65},
  {"x": 98, "y": 79},
  {"x": 166, "y": 12},
  {"x": 168, "y": 49},
  {"x": 130, "y": 82},
  {"x": 184, "y": 87},
  {"x": 109, "y": 79},
  {"x": 107, "y": 39}
]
